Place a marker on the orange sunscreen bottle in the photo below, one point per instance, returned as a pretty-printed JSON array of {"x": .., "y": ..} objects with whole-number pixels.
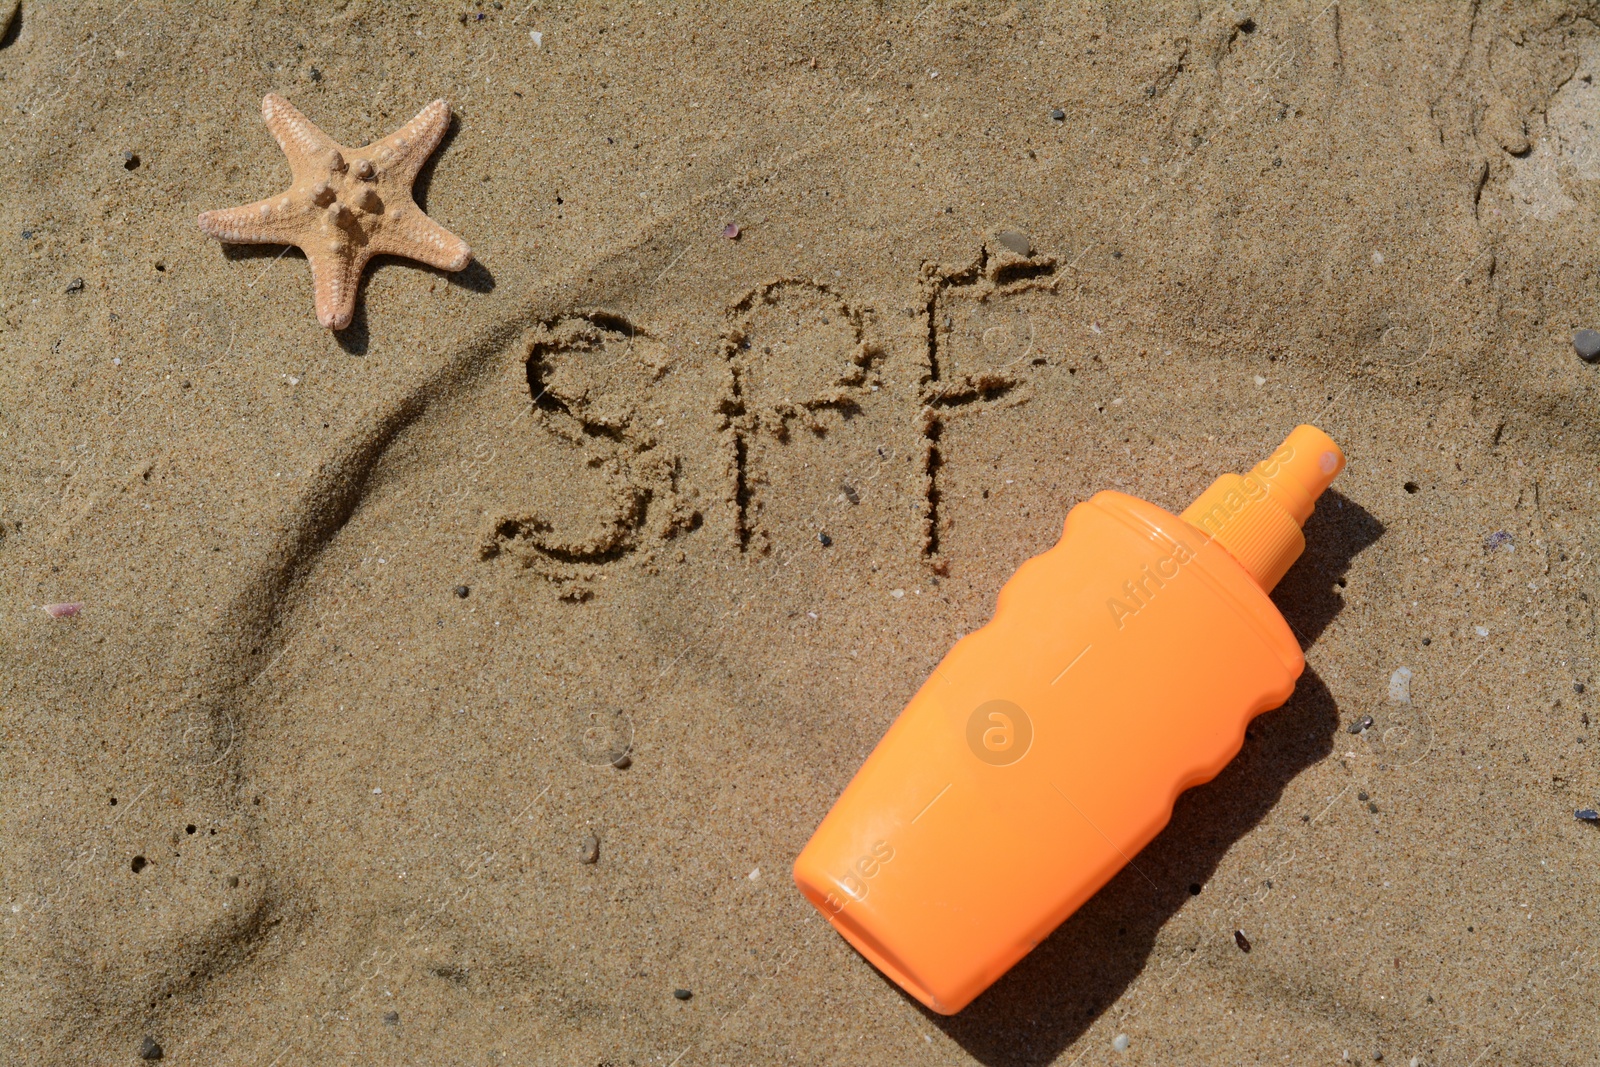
[{"x": 1120, "y": 668}]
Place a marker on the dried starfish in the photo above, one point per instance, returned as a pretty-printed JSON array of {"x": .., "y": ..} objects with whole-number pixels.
[{"x": 346, "y": 205}]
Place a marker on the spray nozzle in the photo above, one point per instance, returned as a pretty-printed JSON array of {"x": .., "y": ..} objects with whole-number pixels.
[{"x": 1257, "y": 516}]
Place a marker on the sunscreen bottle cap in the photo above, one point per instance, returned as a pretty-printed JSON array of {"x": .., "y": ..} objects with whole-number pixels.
[{"x": 1257, "y": 516}]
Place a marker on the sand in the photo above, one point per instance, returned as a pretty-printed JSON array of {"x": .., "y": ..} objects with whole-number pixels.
[{"x": 280, "y": 794}]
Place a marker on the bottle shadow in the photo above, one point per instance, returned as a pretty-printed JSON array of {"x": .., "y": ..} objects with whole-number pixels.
[
  {"x": 13, "y": 29},
  {"x": 1310, "y": 595},
  {"x": 1048, "y": 1000}
]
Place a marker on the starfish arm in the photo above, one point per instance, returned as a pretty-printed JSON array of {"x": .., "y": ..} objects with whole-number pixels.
[
  {"x": 271, "y": 221},
  {"x": 410, "y": 233},
  {"x": 405, "y": 150},
  {"x": 308, "y": 148},
  {"x": 335, "y": 278}
]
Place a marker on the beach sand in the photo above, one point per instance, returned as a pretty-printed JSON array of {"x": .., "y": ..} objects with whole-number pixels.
[{"x": 279, "y": 793}]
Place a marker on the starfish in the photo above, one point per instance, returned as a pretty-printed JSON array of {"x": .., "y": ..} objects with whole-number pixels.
[{"x": 346, "y": 205}]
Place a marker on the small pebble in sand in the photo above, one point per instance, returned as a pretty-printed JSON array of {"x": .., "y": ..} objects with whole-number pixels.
[
  {"x": 1499, "y": 539},
  {"x": 621, "y": 760},
  {"x": 75, "y": 286},
  {"x": 682, "y": 994},
  {"x": 1400, "y": 686},
  {"x": 897, "y": 593},
  {"x": 850, "y": 493},
  {"x": 463, "y": 592},
  {"x": 589, "y": 850},
  {"x": 1361, "y": 795},
  {"x": 137, "y": 864},
  {"x": 731, "y": 231},
  {"x": 1360, "y": 724},
  {"x": 391, "y": 1018},
  {"x": 130, "y": 160},
  {"x": 1587, "y": 815},
  {"x": 1120, "y": 1043},
  {"x": 149, "y": 1050},
  {"x": 1587, "y": 344},
  {"x": 1372, "y": 806},
  {"x": 1057, "y": 115},
  {"x": 1577, "y": 687},
  {"x": 1377, "y": 1057},
  {"x": 824, "y": 539},
  {"x": 1014, "y": 241},
  {"x": 1242, "y": 941},
  {"x": 61, "y": 611}
]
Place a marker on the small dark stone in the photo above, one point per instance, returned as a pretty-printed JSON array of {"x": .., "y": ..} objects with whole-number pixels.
[
  {"x": 189, "y": 829},
  {"x": 139, "y": 863},
  {"x": 1377, "y": 1057},
  {"x": 316, "y": 75},
  {"x": 1362, "y": 795},
  {"x": 1577, "y": 687},
  {"x": 149, "y": 1050},
  {"x": 682, "y": 994},
  {"x": 850, "y": 493},
  {"x": 391, "y": 1018},
  {"x": 130, "y": 160},
  {"x": 27, "y": 235},
  {"x": 1057, "y": 115},
  {"x": 463, "y": 592},
  {"x": 1194, "y": 889},
  {"x": 621, "y": 760},
  {"x": 1587, "y": 344},
  {"x": 1587, "y": 815},
  {"x": 1360, "y": 724},
  {"x": 1426, "y": 641},
  {"x": 75, "y": 286},
  {"x": 589, "y": 850},
  {"x": 824, "y": 539},
  {"x": 1242, "y": 941},
  {"x": 1372, "y": 806},
  {"x": 233, "y": 881},
  {"x": 449, "y": 972}
]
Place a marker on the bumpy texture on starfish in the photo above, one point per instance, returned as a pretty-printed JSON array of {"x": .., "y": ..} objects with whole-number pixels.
[{"x": 346, "y": 205}]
